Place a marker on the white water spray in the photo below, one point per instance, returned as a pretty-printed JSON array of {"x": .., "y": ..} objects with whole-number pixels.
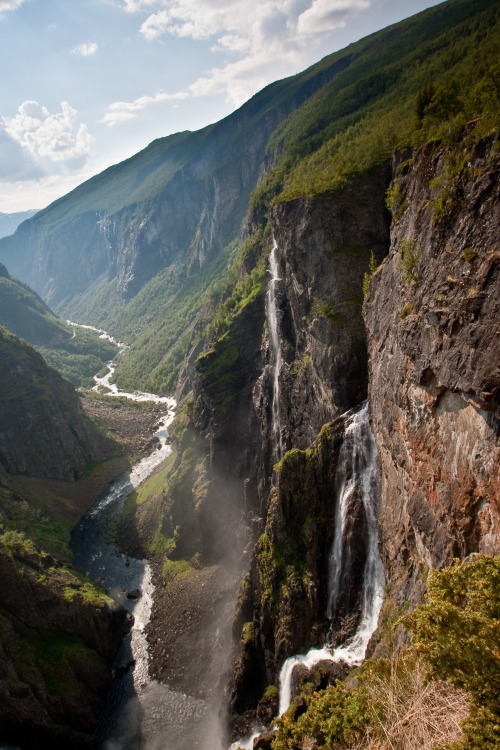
[
  {"x": 356, "y": 471},
  {"x": 275, "y": 345}
]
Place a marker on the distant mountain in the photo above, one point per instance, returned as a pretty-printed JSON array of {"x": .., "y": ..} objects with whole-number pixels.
[{"x": 10, "y": 222}]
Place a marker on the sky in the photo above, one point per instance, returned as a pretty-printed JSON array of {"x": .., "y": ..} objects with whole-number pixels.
[{"x": 88, "y": 83}]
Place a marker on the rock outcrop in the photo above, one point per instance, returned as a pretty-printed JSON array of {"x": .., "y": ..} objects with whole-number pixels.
[
  {"x": 57, "y": 645},
  {"x": 432, "y": 316},
  {"x": 324, "y": 249}
]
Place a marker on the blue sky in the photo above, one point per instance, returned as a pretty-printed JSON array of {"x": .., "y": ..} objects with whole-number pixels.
[{"x": 87, "y": 83}]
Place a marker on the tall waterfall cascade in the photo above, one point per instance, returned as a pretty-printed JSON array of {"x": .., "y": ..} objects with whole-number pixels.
[
  {"x": 275, "y": 346},
  {"x": 356, "y": 473}
]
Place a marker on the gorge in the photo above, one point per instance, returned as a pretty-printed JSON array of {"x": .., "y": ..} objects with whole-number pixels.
[{"x": 315, "y": 280}]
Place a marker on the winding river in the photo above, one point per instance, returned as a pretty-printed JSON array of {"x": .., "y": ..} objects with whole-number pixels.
[{"x": 141, "y": 714}]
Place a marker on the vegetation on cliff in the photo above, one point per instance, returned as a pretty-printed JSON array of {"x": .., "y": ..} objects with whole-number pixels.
[{"x": 413, "y": 83}]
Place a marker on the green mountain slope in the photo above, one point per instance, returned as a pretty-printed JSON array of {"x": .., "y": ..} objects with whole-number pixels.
[
  {"x": 412, "y": 83},
  {"x": 75, "y": 352}
]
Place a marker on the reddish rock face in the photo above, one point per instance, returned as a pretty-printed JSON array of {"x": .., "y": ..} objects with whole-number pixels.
[{"x": 432, "y": 316}]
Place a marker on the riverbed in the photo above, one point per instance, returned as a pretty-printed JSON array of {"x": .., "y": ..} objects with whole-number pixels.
[{"x": 141, "y": 713}]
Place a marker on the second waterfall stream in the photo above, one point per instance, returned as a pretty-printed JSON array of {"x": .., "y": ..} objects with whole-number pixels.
[
  {"x": 355, "y": 482},
  {"x": 356, "y": 474}
]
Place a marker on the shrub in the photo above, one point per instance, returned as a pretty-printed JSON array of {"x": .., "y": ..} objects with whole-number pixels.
[
  {"x": 457, "y": 632},
  {"x": 469, "y": 255},
  {"x": 367, "y": 276},
  {"x": 409, "y": 257},
  {"x": 393, "y": 196},
  {"x": 407, "y": 309},
  {"x": 335, "y": 715}
]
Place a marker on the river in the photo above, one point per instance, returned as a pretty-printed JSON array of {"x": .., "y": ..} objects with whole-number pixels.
[{"x": 141, "y": 714}]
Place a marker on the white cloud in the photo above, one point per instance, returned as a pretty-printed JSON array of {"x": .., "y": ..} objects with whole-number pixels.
[
  {"x": 155, "y": 25},
  {"x": 266, "y": 39},
  {"x": 131, "y": 6},
  {"x": 52, "y": 138},
  {"x": 123, "y": 111},
  {"x": 85, "y": 49},
  {"x": 15, "y": 163},
  {"x": 6, "y": 5},
  {"x": 18, "y": 195},
  {"x": 263, "y": 40},
  {"x": 326, "y": 15}
]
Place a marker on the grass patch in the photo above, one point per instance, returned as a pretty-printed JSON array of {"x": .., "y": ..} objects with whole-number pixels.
[
  {"x": 59, "y": 656},
  {"x": 407, "y": 310},
  {"x": 157, "y": 483},
  {"x": 176, "y": 570}
]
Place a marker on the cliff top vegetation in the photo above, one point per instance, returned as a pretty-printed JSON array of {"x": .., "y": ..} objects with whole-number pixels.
[{"x": 416, "y": 82}]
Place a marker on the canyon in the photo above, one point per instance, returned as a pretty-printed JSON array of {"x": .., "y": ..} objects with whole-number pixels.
[{"x": 285, "y": 318}]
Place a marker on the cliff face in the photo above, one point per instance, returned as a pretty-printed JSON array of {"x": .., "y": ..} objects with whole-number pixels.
[
  {"x": 432, "y": 317},
  {"x": 428, "y": 359},
  {"x": 44, "y": 431},
  {"x": 324, "y": 248}
]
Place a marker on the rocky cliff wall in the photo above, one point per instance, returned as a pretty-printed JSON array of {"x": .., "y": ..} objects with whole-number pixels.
[
  {"x": 324, "y": 249},
  {"x": 429, "y": 359},
  {"x": 432, "y": 317}
]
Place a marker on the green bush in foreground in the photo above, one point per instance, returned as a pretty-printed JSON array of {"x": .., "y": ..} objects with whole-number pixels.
[
  {"x": 457, "y": 632},
  {"x": 441, "y": 692}
]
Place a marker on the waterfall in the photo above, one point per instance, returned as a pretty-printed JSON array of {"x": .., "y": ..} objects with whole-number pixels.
[
  {"x": 275, "y": 345},
  {"x": 356, "y": 473}
]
